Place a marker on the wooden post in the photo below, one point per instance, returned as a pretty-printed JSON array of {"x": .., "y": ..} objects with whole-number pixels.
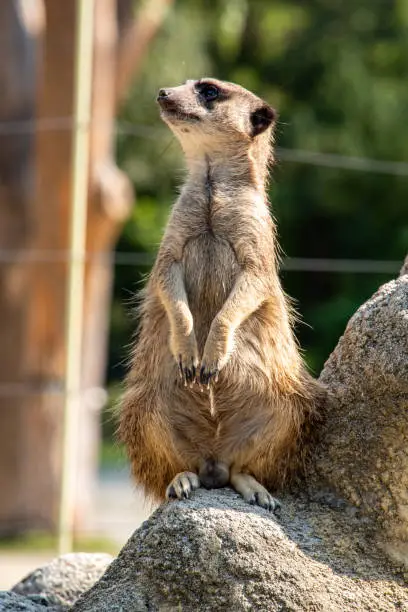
[
  {"x": 76, "y": 269},
  {"x": 34, "y": 216},
  {"x": 20, "y": 38}
]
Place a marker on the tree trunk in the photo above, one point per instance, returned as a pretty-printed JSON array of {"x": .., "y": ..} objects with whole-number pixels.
[
  {"x": 33, "y": 294},
  {"x": 19, "y": 48},
  {"x": 30, "y": 436},
  {"x": 108, "y": 205}
]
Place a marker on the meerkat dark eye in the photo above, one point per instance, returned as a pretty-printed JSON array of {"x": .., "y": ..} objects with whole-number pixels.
[{"x": 209, "y": 92}]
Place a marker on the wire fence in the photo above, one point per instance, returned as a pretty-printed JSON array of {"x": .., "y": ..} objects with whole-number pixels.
[
  {"x": 97, "y": 397},
  {"x": 132, "y": 258},
  {"x": 315, "y": 158}
]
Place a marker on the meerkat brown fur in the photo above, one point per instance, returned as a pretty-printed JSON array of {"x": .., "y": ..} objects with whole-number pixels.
[{"x": 217, "y": 393}]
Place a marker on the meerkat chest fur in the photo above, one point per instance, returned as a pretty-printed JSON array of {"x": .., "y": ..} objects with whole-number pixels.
[{"x": 223, "y": 216}]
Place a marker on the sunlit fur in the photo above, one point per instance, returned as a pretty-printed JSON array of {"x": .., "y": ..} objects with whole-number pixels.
[{"x": 214, "y": 296}]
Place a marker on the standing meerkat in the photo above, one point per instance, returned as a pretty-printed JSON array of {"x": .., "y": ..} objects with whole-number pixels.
[{"x": 217, "y": 393}]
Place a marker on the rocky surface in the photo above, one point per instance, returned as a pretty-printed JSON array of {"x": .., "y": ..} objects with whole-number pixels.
[
  {"x": 362, "y": 455},
  {"x": 57, "y": 585},
  {"x": 11, "y": 602},
  {"x": 325, "y": 550},
  {"x": 214, "y": 552}
]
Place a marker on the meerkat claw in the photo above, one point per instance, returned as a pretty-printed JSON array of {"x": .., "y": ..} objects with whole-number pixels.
[
  {"x": 202, "y": 375},
  {"x": 182, "y": 485},
  {"x": 188, "y": 375},
  {"x": 267, "y": 501},
  {"x": 208, "y": 375},
  {"x": 180, "y": 365},
  {"x": 253, "y": 492}
]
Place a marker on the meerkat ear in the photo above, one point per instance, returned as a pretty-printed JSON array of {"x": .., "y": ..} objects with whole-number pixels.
[{"x": 261, "y": 119}]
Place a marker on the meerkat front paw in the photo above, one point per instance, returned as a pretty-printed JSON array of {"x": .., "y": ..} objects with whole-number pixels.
[
  {"x": 185, "y": 352},
  {"x": 217, "y": 351},
  {"x": 253, "y": 492},
  {"x": 182, "y": 485}
]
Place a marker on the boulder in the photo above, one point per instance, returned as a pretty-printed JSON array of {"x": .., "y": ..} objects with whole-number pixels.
[
  {"x": 326, "y": 549},
  {"x": 362, "y": 453},
  {"x": 11, "y": 602},
  {"x": 62, "y": 581},
  {"x": 214, "y": 552}
]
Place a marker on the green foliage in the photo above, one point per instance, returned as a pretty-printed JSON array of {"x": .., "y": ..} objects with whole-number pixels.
[{"x": 335, "y": 70}]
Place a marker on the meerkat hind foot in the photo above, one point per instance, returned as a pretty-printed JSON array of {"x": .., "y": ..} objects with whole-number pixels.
[
  {"x": 182, "y": 485},
  {"x": 253, "y": 492}
]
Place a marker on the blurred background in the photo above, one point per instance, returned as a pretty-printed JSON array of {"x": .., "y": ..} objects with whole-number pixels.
[{"x": 336, "y": 72}]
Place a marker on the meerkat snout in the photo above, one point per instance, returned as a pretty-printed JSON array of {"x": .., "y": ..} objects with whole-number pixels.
[{"x": 166, "y": 100}]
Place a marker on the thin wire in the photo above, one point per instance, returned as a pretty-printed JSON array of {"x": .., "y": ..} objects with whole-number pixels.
[
  {"x": 359, "y": 266},
  {"x": 300, "y": 156},
  {"x": 129, "y": 258},
  {"x": 17, "y": 389},
  {"x": 92, "y": 396},
  {"x": 343, "y": 162},
  {"x": 342, "y": 266}
]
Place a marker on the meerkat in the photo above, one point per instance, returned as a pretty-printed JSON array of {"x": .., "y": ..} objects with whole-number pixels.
[{"x": 217, "y": 393}]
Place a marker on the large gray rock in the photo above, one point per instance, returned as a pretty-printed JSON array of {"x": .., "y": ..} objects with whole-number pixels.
[
  {"x": 325, "y": 551},
  {"x": 11, "y": 602},
  {"x": 362, "y": 454},
  {"x": 62, "y": 581},
  {"x": 215, "y": 552}
]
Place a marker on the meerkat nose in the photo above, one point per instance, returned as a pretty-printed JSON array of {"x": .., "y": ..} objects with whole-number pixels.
[{"x": 163, "y": 93}]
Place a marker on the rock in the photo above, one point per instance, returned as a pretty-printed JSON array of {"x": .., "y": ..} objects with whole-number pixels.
[
  {"x": 325, "y": 550},
  {"x": 11, "y": 602},
  {"x": 63, "y": 580},
  {"x": 362, "y": 454},
  {"x": 214, "y": 552}
]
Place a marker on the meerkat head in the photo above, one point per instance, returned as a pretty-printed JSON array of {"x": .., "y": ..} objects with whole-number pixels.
[{"x": 210, "y": 116}]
